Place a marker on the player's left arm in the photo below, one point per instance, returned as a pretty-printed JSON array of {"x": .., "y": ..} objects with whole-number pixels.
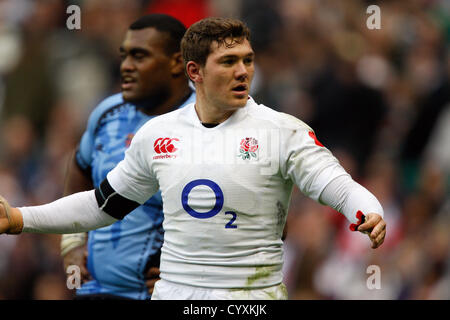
[
  {"x": 319, "y": 175},
  {"x": 354, "y": 201}
]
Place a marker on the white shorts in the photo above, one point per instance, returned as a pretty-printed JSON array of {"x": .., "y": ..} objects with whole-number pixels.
[{"x": 166, "y": 290}]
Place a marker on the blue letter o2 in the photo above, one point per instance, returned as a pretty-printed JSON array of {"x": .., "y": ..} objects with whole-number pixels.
[{"x": 217, "y": 191}]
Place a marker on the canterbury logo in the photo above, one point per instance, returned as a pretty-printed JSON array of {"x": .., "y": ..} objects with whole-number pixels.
[{"x": 165, "y": 145}]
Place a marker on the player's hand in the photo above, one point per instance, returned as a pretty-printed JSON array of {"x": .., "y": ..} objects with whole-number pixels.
[
  {"x": 78, "y": 257},
  {"x": 375, "y": 227},
  {"x": 151, "y": 277},
  {"x": 11, "y": 221}
]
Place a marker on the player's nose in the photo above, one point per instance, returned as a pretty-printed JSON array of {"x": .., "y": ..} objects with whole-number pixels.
[
  {"x": 241, "y": 71},
  {"x": 127, "y": 65}
]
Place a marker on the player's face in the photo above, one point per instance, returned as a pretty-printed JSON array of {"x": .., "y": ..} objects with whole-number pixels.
[
  {"x": 227, "y": 75},
  {"x": 145, "y": 68}
]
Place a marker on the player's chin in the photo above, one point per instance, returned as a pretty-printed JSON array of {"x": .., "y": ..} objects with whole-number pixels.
[
  {"x": 239, "y": 101},
  {"x": 130, "y": 95}
]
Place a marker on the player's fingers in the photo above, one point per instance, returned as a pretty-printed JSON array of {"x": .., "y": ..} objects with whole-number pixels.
[
  {"x": 152, "y": 272},
  {"x": 379, "y": 240},
  {"x": 381, "y": 226},
  {"x": 4, "y": 220},
  {"x": 151, "y": 284},
  {"x": 66, "y": 265},
  {"x": 85, "y": 261},
  {"x": 69, "y": 260},
  {"x": 84, "y": 271},
  {"x": 377, "y": 244},
  {"x": 85, "y": 277},
  {"x": 4, "y": 225},
  {"x": 73, "y": 257},
  {"x": 371, "y": 221},
  {"x": 2, "y": 210}
]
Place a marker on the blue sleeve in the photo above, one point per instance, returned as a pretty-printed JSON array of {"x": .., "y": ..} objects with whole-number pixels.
[{"x": 83, "y": 155}]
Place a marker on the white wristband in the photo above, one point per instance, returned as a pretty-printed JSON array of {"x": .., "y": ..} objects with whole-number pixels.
[{"x": 71, "y": 241}]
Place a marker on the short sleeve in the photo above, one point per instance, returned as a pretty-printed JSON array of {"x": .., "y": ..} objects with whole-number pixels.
[
  {"x": 83, "y": 155},
  {"x": 132, "y": 177}
]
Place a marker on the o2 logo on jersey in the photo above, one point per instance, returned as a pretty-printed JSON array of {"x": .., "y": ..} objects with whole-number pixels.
[
  {"x": 165, "y": 148},
  {"x": 217, "y": 206}
]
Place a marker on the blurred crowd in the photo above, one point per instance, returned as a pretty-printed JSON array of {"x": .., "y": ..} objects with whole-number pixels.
[{"x": 378, "y": 99}]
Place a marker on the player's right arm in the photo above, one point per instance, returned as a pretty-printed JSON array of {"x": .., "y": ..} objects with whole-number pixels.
[{"x": 127, "y": 186}]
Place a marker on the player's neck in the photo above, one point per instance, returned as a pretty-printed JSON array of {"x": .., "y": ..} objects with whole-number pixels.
[
  {"x": 208, "y": 112},
  {"x": 179, "y": 94}
]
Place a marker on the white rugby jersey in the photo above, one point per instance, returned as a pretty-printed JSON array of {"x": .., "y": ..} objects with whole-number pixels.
[{"x": 225, "y": 190}]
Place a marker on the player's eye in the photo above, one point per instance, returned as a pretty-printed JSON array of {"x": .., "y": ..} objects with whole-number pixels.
[
  {"x": 228, "y": 62},
  {"x": 138, "y": 56},
  {"x": 248, "y": 61}
]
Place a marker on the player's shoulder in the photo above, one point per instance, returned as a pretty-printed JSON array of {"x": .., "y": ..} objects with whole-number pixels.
[
  {"x": 108, "y": 103},
  {"x": 275, "y": 118},
  {"x": 167, "y": 121},
  {"x": 106, "y": 106}
]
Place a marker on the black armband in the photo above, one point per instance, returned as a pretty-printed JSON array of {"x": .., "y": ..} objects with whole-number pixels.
[{"x": 113, "y": 203}]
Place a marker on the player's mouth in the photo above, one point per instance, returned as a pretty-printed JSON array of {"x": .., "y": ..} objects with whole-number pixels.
[
  {"x": 128, "y": 82},
  {"x": 240, "y": 90}
]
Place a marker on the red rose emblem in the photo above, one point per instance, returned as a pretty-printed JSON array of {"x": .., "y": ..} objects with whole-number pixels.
[
  {"x": 248, "y": 147},
  {"x": 245, "y": 144},
  {"x": 253, "y": 145}
]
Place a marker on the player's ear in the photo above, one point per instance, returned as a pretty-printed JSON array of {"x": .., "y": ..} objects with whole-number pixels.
[
  {"x": 176, "y": 64},
  {"x": 194, "y": 72}
]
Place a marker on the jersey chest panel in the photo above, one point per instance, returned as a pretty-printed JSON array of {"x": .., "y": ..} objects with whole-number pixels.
[{"x": 219, "y": 186}]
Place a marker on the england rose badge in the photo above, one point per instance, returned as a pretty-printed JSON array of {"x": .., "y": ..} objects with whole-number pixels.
[{"x": 248, "y": 148}]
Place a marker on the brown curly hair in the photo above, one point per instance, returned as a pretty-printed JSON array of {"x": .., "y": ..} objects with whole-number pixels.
[{"x": 196, "y": 42}]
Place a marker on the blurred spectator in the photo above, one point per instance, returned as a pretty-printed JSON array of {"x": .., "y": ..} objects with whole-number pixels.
[{"x": 378, "y": 100}]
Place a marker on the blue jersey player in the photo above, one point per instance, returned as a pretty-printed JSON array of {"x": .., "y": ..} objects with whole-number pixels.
[{"x": 121, "y": 260}]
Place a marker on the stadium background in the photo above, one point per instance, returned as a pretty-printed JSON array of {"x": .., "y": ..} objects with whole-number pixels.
[{"x": 379, "y": 99}]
